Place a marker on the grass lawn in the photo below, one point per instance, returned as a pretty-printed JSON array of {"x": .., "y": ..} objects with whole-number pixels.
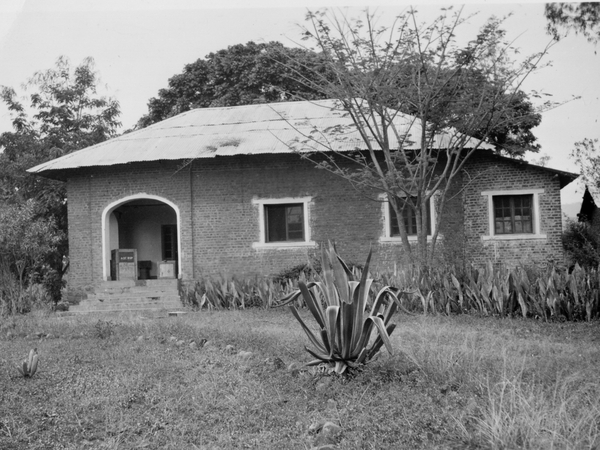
[{"x": 454, "y": 382}]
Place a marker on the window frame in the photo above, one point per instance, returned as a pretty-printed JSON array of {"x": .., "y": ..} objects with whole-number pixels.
[
  {"x": 269, "y": 210},
  {"x": 261, "y": 204},
  {"x": 387, "y": 221},
  {"x": 536, "y": 222}
]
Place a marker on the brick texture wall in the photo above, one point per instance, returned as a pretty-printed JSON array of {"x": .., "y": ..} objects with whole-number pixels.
[
  {"x": 219, "y": 221},
  {"x": 486, "y": 173}
]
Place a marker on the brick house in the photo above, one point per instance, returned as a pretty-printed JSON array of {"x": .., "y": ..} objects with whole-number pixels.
[{"x": 219, "y": 191}]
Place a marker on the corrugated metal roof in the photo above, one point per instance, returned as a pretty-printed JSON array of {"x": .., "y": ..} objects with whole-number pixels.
[{"x": 285, "y": 127}]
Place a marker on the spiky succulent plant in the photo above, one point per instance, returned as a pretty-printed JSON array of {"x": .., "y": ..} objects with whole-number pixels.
[
  {"x": 345, "y": 314},
  {"x": 30, "y": 364}
]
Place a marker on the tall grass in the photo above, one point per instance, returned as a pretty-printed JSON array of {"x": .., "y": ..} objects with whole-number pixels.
[
  {"x": 524, "y": 383},
  {"x": 562, "y": 414}
]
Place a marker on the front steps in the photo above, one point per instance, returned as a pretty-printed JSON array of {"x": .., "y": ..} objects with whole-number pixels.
[{"x": 130, "y": 295}]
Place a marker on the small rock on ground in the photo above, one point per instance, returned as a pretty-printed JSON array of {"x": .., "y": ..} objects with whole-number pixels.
[
  {"x": 275, "y": 363},
  {"x": 315, "y": 427},
  {"x": 294, "y": 369},
  {"x": 244, "y": 355},
  {"x": 331, "y": 429},
  {"x": 323, "y": 384},
  {"x": 329, "y": 435}
]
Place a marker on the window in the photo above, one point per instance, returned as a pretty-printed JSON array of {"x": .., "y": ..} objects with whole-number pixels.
[
  {"x": 391, "y": 232},
  {"x": 169, "y": 242},
  {"x": 514, "y": 214},
  {"x": 283, "y": 222},
  {"x": 410, "y": 221}
]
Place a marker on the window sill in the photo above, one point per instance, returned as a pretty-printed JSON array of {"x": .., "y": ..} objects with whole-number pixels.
[
  {"x": 393, "y": 240},
  {"x": 283, "y": 244},
  {"x": 514, "y": 237}
]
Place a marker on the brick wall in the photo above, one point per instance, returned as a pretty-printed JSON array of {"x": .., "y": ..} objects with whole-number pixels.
[
  {"x": 487, "y": 173},
  {"x": 223, "y": 211},
  {"x": 219, "y": 221}
]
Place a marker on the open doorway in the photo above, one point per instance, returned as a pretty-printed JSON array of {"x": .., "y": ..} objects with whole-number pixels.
[{"x": 150, "y": 226}]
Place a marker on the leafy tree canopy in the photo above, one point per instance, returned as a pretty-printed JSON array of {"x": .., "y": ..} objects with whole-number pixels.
[
  {"x": 582, "y": 18},
  {"x": 241, "y": 74},
  {"x": 510, "y": 132},
  {"x": 60, "y": 113},
  {"x": 259, "y": 73},
  {"x": 420, "y": 69},
  {"x": 64, "y": 113}
]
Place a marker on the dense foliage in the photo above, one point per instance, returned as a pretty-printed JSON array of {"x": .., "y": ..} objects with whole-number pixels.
[
  {"x": 581, "y": 242},
  {"x": 27, "y": 239},
  {"x": 548, "y": 293},
  {"x": 581, "y": 17},
  {"x": 63, "y": 113}
]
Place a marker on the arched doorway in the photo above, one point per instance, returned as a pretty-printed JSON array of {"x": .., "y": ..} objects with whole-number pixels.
[{"x": 147, "y": 223}]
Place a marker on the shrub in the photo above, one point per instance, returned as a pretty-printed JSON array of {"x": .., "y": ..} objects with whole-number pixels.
[
  {"x": 294, "y": 273},
  {"x": 27, "y": 241},
  {"x": 550, "y": 293},
  {"x": 224, "y": 292},
  {"x": 582, "y": 244}
]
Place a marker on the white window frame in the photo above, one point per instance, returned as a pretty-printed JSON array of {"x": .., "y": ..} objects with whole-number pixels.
[
  {"x": 262, "y": 202},
  {"x": 387, "y": 228},
  {"x": 537, "y": 233}
]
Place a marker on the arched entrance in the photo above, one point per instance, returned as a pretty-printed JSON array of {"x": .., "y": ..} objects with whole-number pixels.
[{"x": 147, "y": 223}]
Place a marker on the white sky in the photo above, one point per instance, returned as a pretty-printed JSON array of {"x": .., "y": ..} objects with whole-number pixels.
[{"x": 139, "y": 44}]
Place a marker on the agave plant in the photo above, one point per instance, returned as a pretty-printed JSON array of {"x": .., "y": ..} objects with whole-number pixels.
[
  {"x": 29, "y": 365},
  {"x": 344, "y": 314}
]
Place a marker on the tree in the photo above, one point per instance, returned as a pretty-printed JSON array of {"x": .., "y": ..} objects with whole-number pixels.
[
  {"x": 381, "y": 72},
  {"x": 26, "y": 239},
  {"x": 64, "y": 113},
  {"x": 582, "y": 18},
  {"x": 238, "y": 75}
]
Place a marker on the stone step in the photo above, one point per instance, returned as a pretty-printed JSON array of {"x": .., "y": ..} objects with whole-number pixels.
[
  {"x": 133, "y": 298},
  {"x": 137, "y": 289},
  {"x": 132, "y": 295},
  {"x": 124, "y": 306},
  {"x": 145, "y": 293},
  {"x": 130, "y": 283},
  {"x": 73, "y": 312}
]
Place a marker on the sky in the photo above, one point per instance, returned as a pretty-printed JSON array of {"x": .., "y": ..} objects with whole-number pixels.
[{"x": 138, "y": 45}]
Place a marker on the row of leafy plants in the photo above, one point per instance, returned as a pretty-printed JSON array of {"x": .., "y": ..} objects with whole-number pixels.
[{"x": 551, "y": 293}]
